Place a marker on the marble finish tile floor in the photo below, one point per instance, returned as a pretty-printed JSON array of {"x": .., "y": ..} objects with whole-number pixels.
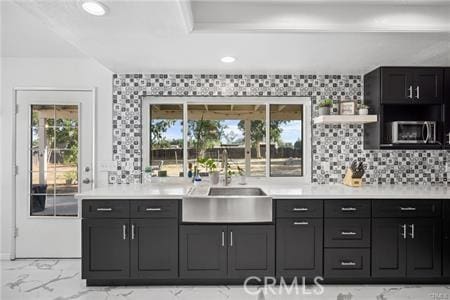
[{"x": 61, "y": 280}]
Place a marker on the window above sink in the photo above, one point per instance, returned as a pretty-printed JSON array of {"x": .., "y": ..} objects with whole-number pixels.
[{"x": 178, "y": 131}]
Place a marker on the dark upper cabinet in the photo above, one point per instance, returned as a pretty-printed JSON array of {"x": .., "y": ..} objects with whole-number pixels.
[
  {"x": 411, "y": 85},
  {"x": 446, "y": 249},
  {"x": 299, "y": 247},
  {"x": 424, "y": 248},
  {"x": 428, "y": 85},
  {"x": 251, "y": 251},
  {"x": 105, "y": 248},
  {"x": 388, "y": 248},
  {"x": 447, "y": 107},
  {"x": 154, "y": 248},
  {"x": 203, "y": 251},
  {"x": 397, "y": 85}
]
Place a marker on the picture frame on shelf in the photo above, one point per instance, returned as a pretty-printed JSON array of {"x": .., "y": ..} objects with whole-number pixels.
[{"x": 347, "y": 107}]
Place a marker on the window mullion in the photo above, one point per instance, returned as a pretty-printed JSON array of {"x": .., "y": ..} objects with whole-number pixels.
[{"x": 267, "y": 140}]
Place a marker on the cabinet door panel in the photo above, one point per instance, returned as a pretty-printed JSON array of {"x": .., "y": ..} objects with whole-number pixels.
[
  {"x": 446, "y": 249},
  {"x": 154, "y": 248},
  {"x": 251, "y": 251},
  {"x": 397, "y": 85},
  {"x": 424, "y": 248},
  {"x": 203, "y": 251},
  {"x": 428, "y": 85},
  {"x": 299, "y": 247},
  {"x": 105, "y": 248},
  {"x": 388, "y": 248}
]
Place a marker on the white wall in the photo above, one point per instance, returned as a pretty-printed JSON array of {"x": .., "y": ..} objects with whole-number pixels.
[{"x": 49, "y": 72}]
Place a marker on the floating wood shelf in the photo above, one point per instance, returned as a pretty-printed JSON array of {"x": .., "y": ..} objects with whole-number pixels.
[{"x": 345, "y": 119}]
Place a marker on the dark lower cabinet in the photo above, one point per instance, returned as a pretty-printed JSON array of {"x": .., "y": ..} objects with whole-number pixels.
[
  {"x": 446, "y": 249},
  {"x": 299, "y": 247},
  {"x": 203, "y": 251},
  {"x": 154, "y": 248},
  {"x": 424, "y": 248},
  {"x": 406, "y": 248},
  {"x": 251, "y": 251},
  {"x": 105, "y": 249},
  {"x": 388, "y": 248}
]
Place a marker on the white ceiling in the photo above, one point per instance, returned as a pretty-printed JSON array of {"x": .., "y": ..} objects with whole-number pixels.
[{"x": 301, "y": 36}]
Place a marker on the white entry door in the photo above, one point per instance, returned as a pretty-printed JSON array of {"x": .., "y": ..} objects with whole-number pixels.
[{"x": 54, "y": 159}]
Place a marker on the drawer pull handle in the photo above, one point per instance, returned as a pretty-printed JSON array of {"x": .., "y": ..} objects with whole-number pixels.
[
  {"x": 348, "y": 233},
  {"x": 348, "y": 263},
  {"x": 409, "y": 208},
  {"x": 348, "y": 209},
  {"x": 153, "y": 209},
  {"x": 301, "y": 223},
  {"x": 104, "y": 209},
  {"x": 300, "y": 209}
]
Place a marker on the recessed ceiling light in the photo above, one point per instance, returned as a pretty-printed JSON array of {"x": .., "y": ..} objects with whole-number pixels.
[
  {"x": 94, "y": 7},
  {"x": 228, "y": 59}
]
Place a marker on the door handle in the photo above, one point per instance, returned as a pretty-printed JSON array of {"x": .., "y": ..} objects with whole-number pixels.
[
  {"x": 86, "y": 181},
  {"x": 418, "y": 92},
  {"x": 404, "y": 231},
  {"x": 132, "y": 231},
  {"x": 124, "y": 232},
  {"x": 412, "y": 234},
  {"x": 231, "y": 238},
  {"x": 223, "y": 238},
  {"x": 410, "y": 96}
]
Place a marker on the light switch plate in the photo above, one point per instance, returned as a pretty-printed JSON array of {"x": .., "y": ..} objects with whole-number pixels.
[{"x": 107, "y": 165}]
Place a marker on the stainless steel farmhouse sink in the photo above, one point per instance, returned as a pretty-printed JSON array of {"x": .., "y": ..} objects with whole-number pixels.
[
  {"x": 236, "y": 191},
  {"x": 227, "y": 205}
]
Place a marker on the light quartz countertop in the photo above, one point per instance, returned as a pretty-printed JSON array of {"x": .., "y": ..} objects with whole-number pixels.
[{"x": 278, "y": 189}]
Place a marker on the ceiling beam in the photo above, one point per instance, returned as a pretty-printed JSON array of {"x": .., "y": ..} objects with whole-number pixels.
[{"x": 187, "y": 16}]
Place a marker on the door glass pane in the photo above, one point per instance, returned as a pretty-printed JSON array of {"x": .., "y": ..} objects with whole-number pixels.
[
  {"x": 166, "y": 140},
  {"x": 54, "y": 160},
  {"x": 286, "y": 144}
]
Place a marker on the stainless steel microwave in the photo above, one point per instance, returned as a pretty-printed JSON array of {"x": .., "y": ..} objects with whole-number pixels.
[{"x": 411, "y": 132}]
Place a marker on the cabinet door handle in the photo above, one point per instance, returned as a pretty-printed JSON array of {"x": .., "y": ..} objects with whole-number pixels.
[
  {"x": 223, "y": 238},
  {"x": 301, "y": 223},
  {"x": 132, "y": 231},
  {"x": 348, "y": 233},
  {"x": 404, "y": 231},
  {"x": 410, "y": 96},
  {"x": 348, "y": 263},
  {"x": 348, "y": 209},
  {"x": 104, "y": 209},
  {"x": 412, "y": 231},
  {"x": 153, "y": 209},
  {"x": 300, "y": 209},
  {"x": 231, "y": 238},
  {"x": 418, "y": 92},
  {"x": 124, "y": 232},
  {"x": 409, "y": 208}
]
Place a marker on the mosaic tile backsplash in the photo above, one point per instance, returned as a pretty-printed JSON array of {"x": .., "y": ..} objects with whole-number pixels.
[{"x": 333, "y": 146}]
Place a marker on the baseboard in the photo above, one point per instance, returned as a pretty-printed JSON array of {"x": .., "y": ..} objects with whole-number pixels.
[{"x": 5, "y": 256}]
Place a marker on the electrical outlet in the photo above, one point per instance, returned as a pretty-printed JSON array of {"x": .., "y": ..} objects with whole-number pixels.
[{"x": 107, "y": 165}]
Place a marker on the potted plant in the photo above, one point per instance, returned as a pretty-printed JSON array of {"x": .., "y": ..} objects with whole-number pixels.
[
  {"x": 325, "y": 107},
  {"x": 211, "y": 166},
  {"x": 242, "y": 177},
  {"x": 363, "y": 109}
]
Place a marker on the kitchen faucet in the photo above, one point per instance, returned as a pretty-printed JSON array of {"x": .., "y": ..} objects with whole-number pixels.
[{"x": 225, "y": 166}]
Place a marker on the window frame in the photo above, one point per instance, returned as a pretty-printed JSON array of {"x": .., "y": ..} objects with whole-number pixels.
[{"x": 147, "y": 101}]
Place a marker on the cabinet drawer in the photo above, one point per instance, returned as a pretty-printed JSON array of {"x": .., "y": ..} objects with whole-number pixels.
[
  {"x": 299, "y": 208},
  {"x": 105, "y": 209},
  {"x": 406, "y": 208},
  {"x": 347, "y": 208},
  {"x": 447, "y": 209},
  {"x": 347, "y": 233},
  {"x": 347, "y": 263},
  {"x": 154, "y": 208}
]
